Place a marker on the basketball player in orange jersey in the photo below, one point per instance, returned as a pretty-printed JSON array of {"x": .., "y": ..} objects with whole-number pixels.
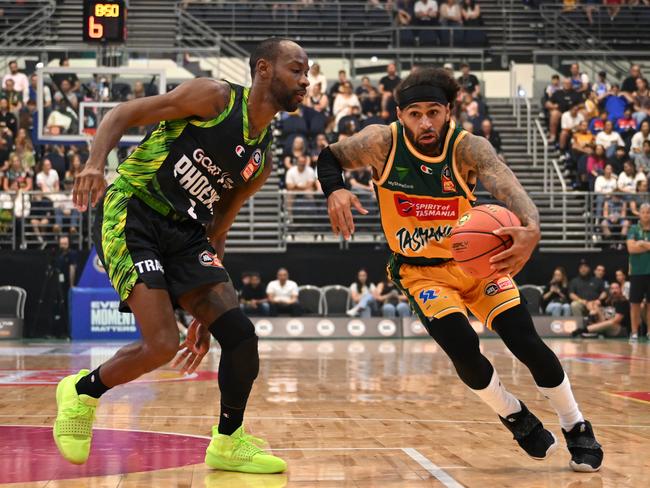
[{"x": 424, "y": 169}]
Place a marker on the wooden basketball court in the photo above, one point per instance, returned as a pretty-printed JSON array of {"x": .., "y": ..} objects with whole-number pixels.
[{"x": 373, "y": 413}]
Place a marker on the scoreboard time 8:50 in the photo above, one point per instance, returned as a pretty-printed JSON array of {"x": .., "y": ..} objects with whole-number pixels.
[{"x": 104, "y": 21}]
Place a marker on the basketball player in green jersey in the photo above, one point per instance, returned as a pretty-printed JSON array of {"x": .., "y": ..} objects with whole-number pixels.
[
  {"x": 208, "y": 153},
  {"x": 425, "y": 168}
]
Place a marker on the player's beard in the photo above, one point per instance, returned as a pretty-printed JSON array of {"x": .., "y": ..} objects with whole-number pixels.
[
  {"x": 432, "y": 148},
  {"x": 284, "y": 98}
]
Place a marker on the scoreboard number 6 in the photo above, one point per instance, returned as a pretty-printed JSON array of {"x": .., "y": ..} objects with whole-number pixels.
[{"x": 95, "y": 29}]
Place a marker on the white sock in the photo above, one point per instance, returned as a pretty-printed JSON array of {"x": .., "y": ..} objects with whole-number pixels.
[
  {"x": 564, "y": 403},
  {"x": 498, "y": 398}
]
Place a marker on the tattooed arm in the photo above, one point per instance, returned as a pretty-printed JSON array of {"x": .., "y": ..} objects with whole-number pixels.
[
  {"x": 476, "y": 155},
  {"x": 370, "y": 147}
]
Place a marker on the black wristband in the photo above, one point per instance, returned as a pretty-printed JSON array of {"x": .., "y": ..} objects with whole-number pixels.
[{"x": 329, "y": 172}]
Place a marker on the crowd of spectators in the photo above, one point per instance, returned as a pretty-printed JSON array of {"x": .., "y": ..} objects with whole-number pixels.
[
  {"x": 603, "y": 132},
  {"x": 603, "y": 307},
  {"x": 609, "y": 8},
  {"x": 444, "y": 23},
  {"x": 47, "y": 170},
  {"x": 281, "y": 297},
  {"x": 333, "y": 111}
]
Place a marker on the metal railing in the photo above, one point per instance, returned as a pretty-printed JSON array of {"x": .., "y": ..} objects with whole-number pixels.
[{"x": 574, "y": 222}]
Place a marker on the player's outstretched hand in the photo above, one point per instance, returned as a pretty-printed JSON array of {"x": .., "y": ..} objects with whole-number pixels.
[
  {"x": 91, "y": 182},
  {"x": 513, "y": 259},
  {"x": 192, "y": 350},
  {"x": 339, "y": 208}
]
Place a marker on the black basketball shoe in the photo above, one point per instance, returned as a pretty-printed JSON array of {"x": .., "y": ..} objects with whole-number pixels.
[
  {"x": 586, "y": 452},
  {"x": 530, "y": 434}
]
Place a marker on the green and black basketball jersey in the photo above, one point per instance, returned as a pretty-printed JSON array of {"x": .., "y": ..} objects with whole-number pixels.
[
  {"x": 183, "y": 166},
  {"x": 421, "y": 197}
]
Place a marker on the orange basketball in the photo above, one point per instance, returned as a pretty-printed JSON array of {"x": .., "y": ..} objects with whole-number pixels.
[{"x": 472, "y": 240}]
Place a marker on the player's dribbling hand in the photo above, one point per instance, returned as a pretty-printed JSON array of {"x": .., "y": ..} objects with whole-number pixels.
[
  {"x": 339, "y": 209},
  {"x": 192, "y": 350},
  {"x": 90, "y": 181},
  {"x": 513, "y": 259}
]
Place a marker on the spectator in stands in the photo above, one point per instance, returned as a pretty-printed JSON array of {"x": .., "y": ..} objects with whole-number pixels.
[
  {"x": 636, "y": 143},
  {"x": 426, "y": 15},
  {"x": 21, "y": 83},
  {"x": 614, "y": 223},
  {"x": 392, "y": 300},
  {"x": 556, "y": 298},
  {"x": 570, "y": 122},
  {"x": 629, "y": 84},
  {"x": 66, "y": 216},
  {"x": 626, "y": 126},
  {"x": 621, "y": 279},
  {"x": 590, "y": 6},
  {"x": 602, "y": 87},
  {"x": 362, "y": 294},
  {"x": 613, "y": 320},
  {"x": 56, "y": 155},
  {"x": 320, "y": 143},
  {"x": 33, "y": 91},
  {"x": 613, "y": 8},
  {"x": 7, "y": 119},
  {"x": 47, "y": 180},
  {"x": 360, "y": 181},
  {"x": 615, "y": 103},
  {"x": 363, "y": 89},
  {"x": 639, "y": 198},
  {"x": 643, "y": 159},
  {"x": 607, "y": 182},
  {"x": 283, "y": 294},
  {"x": 14, "y": 98},
  {"x": 581, "y": 148},
  {"x": 403, "y": 19},
  {"x": 597, "y": 124},
  {"x": 592, "y": 106},
  {"x": 71, "y": 78},
  {"x": 298, "y": 149},
  {"x": 609, "y": 139},
  {"x": 350, "y": 124},
  {"x": 317, "y": 99},
  {"x": 301, "y": 177},
  {"x": 344, "y": 102},
  {"x": 253, "y": 299},
  {"x": 66, "y": 97},
  {"x": 561, "y": 101},
  {"x": 579, "y": 81},
  {"x": 599, "y": 272},
  {"x": 468, "y": 81},
  {"x": 450, "y": 13},
  {"x": 629, "y": 178},
  {"x": 551, "y": 89},
  {"x": 641, "y": 100},
  {"x": 315, "y": 76},
  {"x": 492, "y": 135},
  {"x": 387, "y": 85},
  {"x": 17, "y": 177},
  {"x": 336, "y": 87},
  {"x": 25, "y": 149},
  {"x": 371, "y": 106},
  {"x": 585, "y": 292}
]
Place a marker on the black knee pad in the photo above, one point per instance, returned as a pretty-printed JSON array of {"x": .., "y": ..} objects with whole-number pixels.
[
  {"x": 459, "y": 340},
  {"x": 516, "y": 328},
  {"x": 231, "y": 328},
  {"x": 240, "y": 362}
]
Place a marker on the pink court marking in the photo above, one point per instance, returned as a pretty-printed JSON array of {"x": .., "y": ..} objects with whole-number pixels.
[
  {"x": 13, "y": 377},
  {"x": 29, "y": 454}
]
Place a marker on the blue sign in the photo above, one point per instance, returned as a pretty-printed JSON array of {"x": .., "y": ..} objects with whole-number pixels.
[
  {"x": 94, "y": 275},
  {"x": 95, "y": 315}
]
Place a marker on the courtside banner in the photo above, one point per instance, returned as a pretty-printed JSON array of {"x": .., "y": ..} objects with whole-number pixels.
[
  {"x": 545, "y": 327},
  {"x": 95, "y": 315},
  {"x": 327, "y": 327}
]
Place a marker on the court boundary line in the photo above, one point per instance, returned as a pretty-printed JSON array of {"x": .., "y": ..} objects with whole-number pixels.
[
  {"x": 435, "y": 470},
  {"x": 324, "y": 419}
]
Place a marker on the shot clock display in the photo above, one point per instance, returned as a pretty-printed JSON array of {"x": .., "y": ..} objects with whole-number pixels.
[{"x": 104, "y": 21}]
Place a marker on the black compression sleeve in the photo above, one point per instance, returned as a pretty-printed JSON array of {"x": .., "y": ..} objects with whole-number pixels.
[{"x": 329, "y": 172}]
